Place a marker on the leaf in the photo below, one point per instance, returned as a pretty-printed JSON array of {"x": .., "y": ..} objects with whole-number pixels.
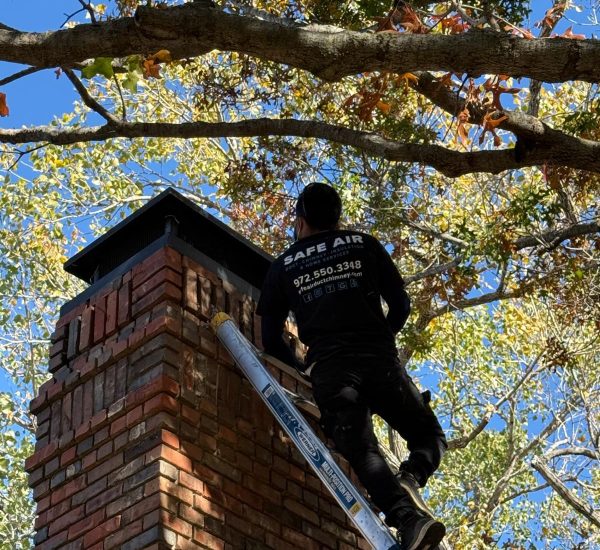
[
  {"x": 4, "y": 111},
  {"x": 101, "y": 65},
  {"x": 151, "y": 68},
  {"x": 406, "y": 79},
  {"x": 162, "y": 56},
  {"x": 384, "y": 107},
  {"x": 461, "y": 130},
  {"x": 490, "y": 124},
  {"x": 131, "y": 81},
  {"x": 569, "y": 34}
]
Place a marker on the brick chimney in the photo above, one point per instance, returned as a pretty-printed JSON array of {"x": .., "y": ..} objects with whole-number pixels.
[{"x": 148, "y": 435}]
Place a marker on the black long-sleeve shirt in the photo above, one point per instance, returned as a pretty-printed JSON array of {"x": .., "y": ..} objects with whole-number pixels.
[{"x": 333, "y": 281}]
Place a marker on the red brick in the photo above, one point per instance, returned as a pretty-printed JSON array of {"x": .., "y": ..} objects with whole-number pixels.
[
  {"x": 160, "y": 384},
  {"x": 111, "y": 312},
  {"x": 68, "y": 456},
  {"x": 117, "y": 539},
  {"x": 118, "y": 425},
  {"x": 191, "y": 482},
  {"x": 102, "y": 531},
  {"x": 98, "y": 418},
  {"x": 68, "y": 489},
  {"x": 161, "y": 402},
  {"x": 165, "y": 291},
  {"x": 124, "y": 309},
  {"x": 99, "y": 318},
  {"x": 53, "y": 542},
  {"x": 77, "y": 407},
  {"x": 134, "y": 415},
  {"x": 55, "y": 389},
  {"x": 141, "y": 508},
  {"x": 83, "y": 429},
  {"x": 66, "y": 519},
  {"x": 299, "y": 540},
  {"x": 191, "y": 289},
  {"x": 105, "y": 468},
  {"x": 43, "y": 504},
  {"x": 190, "y": 514},
  {"x": 88, "y": 400},
  {"x": 176, "y": 458},
  {"x": 163, "y": 275},
  {"x": 208, "y": 540},
  {"x": 37, "y": 403},
  {"x": 85, "y": 329},
  {"x": 86, "y": 524},
  {"x": 190, "y": 414},
  {"x": 176, "y": 524},
  {"x": 88, "y": 460},
  {"x": 169, "y": 438},
  {"x": 40, "y": 456}
]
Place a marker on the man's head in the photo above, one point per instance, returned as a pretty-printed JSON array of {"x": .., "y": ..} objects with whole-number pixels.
[{"x": 318, "y": 208}]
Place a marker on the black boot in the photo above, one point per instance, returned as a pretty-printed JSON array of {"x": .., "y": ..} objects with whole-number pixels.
[
  {"x": 420, "y": 532},
  {"x": 410, "y": 484}
]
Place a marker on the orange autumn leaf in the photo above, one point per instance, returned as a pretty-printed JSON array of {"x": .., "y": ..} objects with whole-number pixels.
[
  {"x": 569, "y": 34},
  {"x": 384, "y": 107},
  {"x": 411, "y": 21},
  {"x": 151, "y": 69},
  {"x": 490, "y": 124},
  {"x": 3, "y": 106},
  {"x": 161, "y": 56},
  {"x": 454, "y": 24},
  {"x": 385, "y": 24},
  {"x": 461, "y": 130},
  {"x": 151, "y": 65},
  {"x": 519, "y": 31}
]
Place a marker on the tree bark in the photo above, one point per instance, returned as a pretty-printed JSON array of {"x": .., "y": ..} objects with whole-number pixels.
[{"x": 331, "y": 53}]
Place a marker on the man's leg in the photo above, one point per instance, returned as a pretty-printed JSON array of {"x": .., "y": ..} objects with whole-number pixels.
[
  {"x": 396, "y": 399},
  {"x": 346, "y": 419}
]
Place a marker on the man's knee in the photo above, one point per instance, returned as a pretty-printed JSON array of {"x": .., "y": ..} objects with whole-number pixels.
[{"x": 347, "y": 422}]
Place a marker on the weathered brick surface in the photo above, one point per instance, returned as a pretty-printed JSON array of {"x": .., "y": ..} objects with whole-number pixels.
[{"x": 149, "y": 437}]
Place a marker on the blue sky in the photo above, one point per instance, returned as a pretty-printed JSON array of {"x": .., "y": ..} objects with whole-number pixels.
[{"x": 37, "y": 98}]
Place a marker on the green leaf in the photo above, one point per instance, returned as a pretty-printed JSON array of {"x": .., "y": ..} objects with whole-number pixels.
[
  {"x": 101, "y": 65},
  {"x": 131, "y": 81}
]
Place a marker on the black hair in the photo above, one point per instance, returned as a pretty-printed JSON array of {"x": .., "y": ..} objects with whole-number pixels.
[{"x": 320, "y": 205}]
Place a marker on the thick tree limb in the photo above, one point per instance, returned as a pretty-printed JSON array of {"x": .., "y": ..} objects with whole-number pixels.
[
  {"x": 328, "y": 52},
  {"x": 551, "y": 239},
  {"x": 578, "y": 504},
  {"x": 525, "y": 127},
  {"x": 571, "y": 152}
]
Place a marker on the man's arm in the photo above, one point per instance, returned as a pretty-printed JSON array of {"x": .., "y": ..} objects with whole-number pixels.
[
  {"x": 274, "y": 307},
  {"x": 392, "y": 291},
  {"x": 274, "y": 344}
]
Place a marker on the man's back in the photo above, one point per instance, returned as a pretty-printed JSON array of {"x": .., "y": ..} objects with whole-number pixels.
[{"x": 333, "y": 281}]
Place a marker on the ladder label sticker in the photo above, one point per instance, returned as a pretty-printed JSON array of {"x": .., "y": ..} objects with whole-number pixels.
[{"x": 304, "y": 441}]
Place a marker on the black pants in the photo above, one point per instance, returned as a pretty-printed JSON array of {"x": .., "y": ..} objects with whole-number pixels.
[{"x": 348, "y": 392}]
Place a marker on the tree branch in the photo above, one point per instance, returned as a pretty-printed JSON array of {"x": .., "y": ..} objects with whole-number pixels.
[
  {"x": 462, "y": 442},
  {"x": 578, "y": 504},
  {"x": 553, "y": 238},
  {"x": 20, "y": 74},
  {"x": 579, "y": 154},
  {"x": 193, "y": 29},
  {"x": 88, "y": 99}
]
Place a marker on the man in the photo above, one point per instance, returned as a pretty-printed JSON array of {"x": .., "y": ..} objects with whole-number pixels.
[{"x": 333, "y": 281}]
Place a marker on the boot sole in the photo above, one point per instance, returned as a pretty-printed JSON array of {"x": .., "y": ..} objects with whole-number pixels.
[{"x": 431, "y": 535}]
